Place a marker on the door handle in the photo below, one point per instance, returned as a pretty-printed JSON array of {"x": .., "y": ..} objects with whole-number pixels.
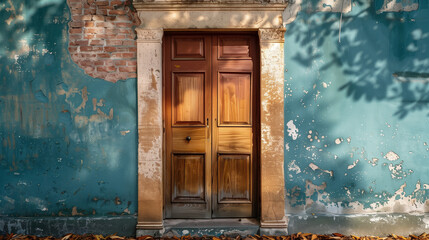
[
  {"x": 208, "y": 123},
  {"x": 188, "y": 138}
]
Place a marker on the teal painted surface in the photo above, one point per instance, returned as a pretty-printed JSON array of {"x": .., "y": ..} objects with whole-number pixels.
[
  {"x": 59, "y": 151},
  {"x": 356, "y": 104}
]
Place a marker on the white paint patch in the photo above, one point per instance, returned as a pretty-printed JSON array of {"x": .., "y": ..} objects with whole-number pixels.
[
  {"x": 391, "y": 156},
  {"x": 293, "y": 167},
  {"x": 287, "y": 147},
  {"x": 374, "y": 162},
  {"x": 349, "y": 140},
  {"x": 291, "y": 12},
  {"x": 343, "y": 6},
  {"x": 325, "y": 85},
  {"x": 353, "y": 165},
  {"x": 315, "y": 167},
  {"x": 292, "y": 130},
  {"x": 123, "y": 133},
  {"x": 339, "y": 140},
  {"x": 398, "y": 6},
  {"x": 185, "y": 232}
]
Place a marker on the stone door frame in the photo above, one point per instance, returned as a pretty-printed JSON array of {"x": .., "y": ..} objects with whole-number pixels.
[{"x": 158, "y": 16}]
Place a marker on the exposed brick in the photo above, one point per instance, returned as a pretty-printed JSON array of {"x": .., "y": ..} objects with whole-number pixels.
[
  {"x": 129, "y": 43},
  {"x": 113, "y": 42},
  {"x": 96, "y": 42},
  {"x": 120, "y": 63},
  {"x": 123, "y": 19},
  {"x": 75, "y": 36},
  {"x": 110, "y": 18},
  {"x": 123, "y": 24},
  {"x": 103, "y": 55},
  {"x": 110, "y": 49},
  {"x": 87, "y": 36},
  {"x": 131, "y": 63},
  {"x": 75, "y": 30},
  {"x": 89, "y": 11},
  {"x": 101, "y": 38},
  {"x": 82, "y": 42},
  {"x": 72, "y": 49},
  {"x": 116, "y": 12},
  {"x": 128, "y": 55},
  {"x": 116, "y": 3},
  {"x": 132, "y": 75},
  {"x": 94, "y": 30},
  {"x": 86, "y": 63},
  {"x": 127, "y": 69},
  {"x": 124, "y": 30},
  {"x": 106, "y": 69},
  {"x": 98, "y": 18},
  {"x": 104, "y": 24},
  {"x": 89, "y": 24},
  {"x": 102, "y": 3},
  {"x": 87, "y": 17},
  {"x": 101, "y": 12},
  {"x": 85, "y": 48}
]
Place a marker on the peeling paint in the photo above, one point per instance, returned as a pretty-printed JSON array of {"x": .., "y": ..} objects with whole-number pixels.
[
  {"x": 391, "y": 156},
  {"x": 293, "y": 167},
  {"x": 314, "y": 167},
  {"x": 353, "y": 165},
  {"x": 292, "y": 130},
  {"x": 398, "y": 6}
]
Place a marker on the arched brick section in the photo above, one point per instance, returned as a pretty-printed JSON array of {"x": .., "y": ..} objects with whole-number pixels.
[{"x": 102, "y": 40}]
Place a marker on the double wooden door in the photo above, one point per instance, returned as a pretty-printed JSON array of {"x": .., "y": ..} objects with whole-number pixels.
[{"x": 211, "y": 125}]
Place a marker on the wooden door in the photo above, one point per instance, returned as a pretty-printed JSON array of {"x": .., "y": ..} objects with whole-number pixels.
[{"x": 211, "y": 124}]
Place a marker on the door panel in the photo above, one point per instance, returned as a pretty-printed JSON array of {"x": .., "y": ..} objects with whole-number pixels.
[
  {"x": 186, "y": 109},
  {"x": 235, "y": 98},
  {"x": 234, "y": 181},
  {"x": 210, "y": 113},
  {"x": 187, "y": 47},
  {"x": 188, "y": 98},
  {"x": 188, "y": 178},
  {"x": 234, "y": 146},
  {"x": 235, "y": 139},
  {"x": 197, "y": 142},
  {"x": 234, "y": 47}
]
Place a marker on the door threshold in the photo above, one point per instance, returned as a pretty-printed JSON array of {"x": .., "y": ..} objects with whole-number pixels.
[{"x": 229, "y": 227}]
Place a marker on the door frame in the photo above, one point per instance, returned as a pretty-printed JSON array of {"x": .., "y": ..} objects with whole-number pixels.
[
  {"x": 239, "y": 15},
  {"x": 210, "y": 40}
]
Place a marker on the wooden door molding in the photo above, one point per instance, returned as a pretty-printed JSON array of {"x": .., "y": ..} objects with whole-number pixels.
[{"x": 161, "y": 15}]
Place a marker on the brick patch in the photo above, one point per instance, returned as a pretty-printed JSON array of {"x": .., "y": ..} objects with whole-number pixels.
[{"x": 102, "y": 39}]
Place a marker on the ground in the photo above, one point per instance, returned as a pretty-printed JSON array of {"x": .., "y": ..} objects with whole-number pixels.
[{"x": 297, "y": 236}]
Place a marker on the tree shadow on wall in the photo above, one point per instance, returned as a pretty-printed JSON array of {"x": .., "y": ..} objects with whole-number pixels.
[{"x": 382, "y": 56}]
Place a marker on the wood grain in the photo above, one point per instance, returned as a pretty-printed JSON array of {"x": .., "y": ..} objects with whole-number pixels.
[{"x": 188, "y": 178}]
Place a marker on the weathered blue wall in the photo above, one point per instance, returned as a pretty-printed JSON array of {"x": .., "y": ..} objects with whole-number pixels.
[
  {"x": 68, "y": 142},
  {"x": 356, "y": 111}
]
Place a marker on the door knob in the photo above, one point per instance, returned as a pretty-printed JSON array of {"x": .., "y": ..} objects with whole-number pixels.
[{"x": 188, "y": 138}]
